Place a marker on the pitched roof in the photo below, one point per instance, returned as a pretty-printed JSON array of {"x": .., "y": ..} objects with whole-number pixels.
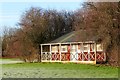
[{"x": 75, "y": 36}]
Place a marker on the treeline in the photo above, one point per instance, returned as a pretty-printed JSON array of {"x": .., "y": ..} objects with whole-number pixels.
[
  {"x": 103, "y": 21},
  {"x": 42, "y": 26},
  {"x": 37, "y": 26}
]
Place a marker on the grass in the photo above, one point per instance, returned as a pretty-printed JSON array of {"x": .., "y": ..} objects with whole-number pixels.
[{"x": 58, "y": 70}]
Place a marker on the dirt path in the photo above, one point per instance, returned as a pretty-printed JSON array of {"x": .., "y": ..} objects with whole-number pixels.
[{"x": 10, "y": 61}]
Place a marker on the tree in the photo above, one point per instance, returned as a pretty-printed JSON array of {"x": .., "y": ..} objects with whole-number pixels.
[
  {"x": 101, "y": 19},
  {"x": 42, "y": 26},
  {"x": 7, "y": 42}
]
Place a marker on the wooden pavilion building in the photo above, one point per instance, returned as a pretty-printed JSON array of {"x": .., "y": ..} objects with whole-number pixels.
[{"x": 73, "y": 47}]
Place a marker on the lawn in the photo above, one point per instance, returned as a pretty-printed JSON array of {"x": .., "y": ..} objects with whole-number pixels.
[{"x": 58, "y": 70}]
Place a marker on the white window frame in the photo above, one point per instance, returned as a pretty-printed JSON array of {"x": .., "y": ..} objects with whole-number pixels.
[
  {"x": 98, "y": 47},
  {"x": 66, "y": 48},
  {"x": 93, "y": 47},
  {"x": 55, "y": 49},
  {"x": 87, "y": 46},
  {"x": 74, "y": 47},
  {"x": 81, "y": 48}
]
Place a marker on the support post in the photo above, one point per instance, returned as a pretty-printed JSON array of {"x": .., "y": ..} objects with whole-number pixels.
[
  {"x": 82, "y": 51},
  {"x": 60, "y": 51},
  {"x": 104, "y": 53},
  {"x": 95, "y": 51},
  {"x": 88, "y": 51},
  {"x": 50, "y": 53},
  {"x": 46, "y": 55},
  {"x": 88, "y": 55},
  {"x": 41, "y": 53},
  {"x": 39, "y": 57},
  {"x": 104, "y": 56},
  {"x": 77, "y": 51},
  {"x": 55, "y": 55},
  {"x": 70, "y": 51}
]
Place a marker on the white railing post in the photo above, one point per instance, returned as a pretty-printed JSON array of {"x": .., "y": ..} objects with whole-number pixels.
[
  {"x": 55, "y": 55},
  {"x": 104, "y": 56},
  {"x": 88, "y": 55},
  {"x": 77, "y": 52},
  {"x": 60, "y": 51},
  {"x": 41, "y": 53},
  {"x": 46, "y": 56},
  {"x": 50, "y": 53},
  {"x": 104, "y": 53},
  {"x": 95, "y": 51},
  {"x": 89, "y": 51},
  {"x": 70, "y": 51},
  {"x": 82, "y": 51}
]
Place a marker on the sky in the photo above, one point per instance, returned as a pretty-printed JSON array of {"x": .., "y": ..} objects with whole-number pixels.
[{"x": 10, "y": 12}]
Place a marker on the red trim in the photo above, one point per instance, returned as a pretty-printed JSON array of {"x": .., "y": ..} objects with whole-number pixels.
[
  {"x": 68, "y": 56},
  {"x": 80, "y": 56},
  {"x": 100, "y": 56},
  {"x": 85, "y": 56},
  {"x": 92, "y": 56}
]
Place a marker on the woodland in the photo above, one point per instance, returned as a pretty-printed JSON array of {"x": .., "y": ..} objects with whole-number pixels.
[{"x": 37, "y": 26}]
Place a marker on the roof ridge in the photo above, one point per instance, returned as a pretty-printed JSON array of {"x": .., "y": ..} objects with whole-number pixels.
[{"x": 67, "y": 37}]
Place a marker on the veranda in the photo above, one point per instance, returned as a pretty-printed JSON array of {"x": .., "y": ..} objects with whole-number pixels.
[{"x": 78, "y": 52}]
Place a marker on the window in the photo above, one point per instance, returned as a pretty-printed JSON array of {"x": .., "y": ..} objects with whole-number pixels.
[
  {"x": 73, "y": 48},
  {"x": 99, "y": 47},
  {"x": 91, "y": 47},
  {"x": 45, "y": 48},
  {"x": 79, "y": 48},
  {"x": 63, "y": 48},
  {"x": 85, "y": 47},
  {"x": 54, "y": 48}
]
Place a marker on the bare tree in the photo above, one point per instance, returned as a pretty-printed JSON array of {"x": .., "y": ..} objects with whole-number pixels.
[{"x": 101, "y": 19}]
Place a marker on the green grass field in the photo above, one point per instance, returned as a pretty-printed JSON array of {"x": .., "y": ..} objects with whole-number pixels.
[{"x": 57, "y": 70}]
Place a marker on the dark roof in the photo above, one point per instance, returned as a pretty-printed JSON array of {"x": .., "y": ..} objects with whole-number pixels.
[{"x": 76, "y": 36}]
